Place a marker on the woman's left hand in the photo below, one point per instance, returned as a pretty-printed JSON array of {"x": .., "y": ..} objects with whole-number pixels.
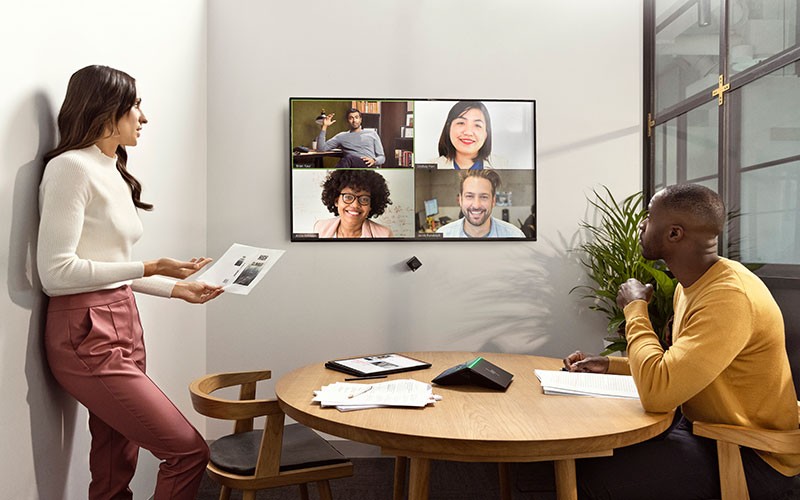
[{"x": 196, "y": 292}]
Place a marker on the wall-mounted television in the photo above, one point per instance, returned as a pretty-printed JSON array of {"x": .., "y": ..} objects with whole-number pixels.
[{"x": 367, "y": 169}]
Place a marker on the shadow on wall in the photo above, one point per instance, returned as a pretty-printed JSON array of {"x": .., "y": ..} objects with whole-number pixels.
[
  {"x": 520, "y": 307},
  {"x": 589, "y": 141},
  {"x": 52, "y": 411},
  {"x": 529, "y": 287}
]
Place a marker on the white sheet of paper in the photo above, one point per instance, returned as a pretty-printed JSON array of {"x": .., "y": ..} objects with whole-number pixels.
[
  {"x": 240, "y": 268},
  {"x": 400, "y": 392}
]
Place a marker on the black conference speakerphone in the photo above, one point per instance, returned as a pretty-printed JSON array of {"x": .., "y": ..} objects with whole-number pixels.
[{"x": 478, "y": 372}]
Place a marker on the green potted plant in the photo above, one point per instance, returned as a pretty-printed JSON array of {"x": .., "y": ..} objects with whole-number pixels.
[{"x": 611, "y": 256}]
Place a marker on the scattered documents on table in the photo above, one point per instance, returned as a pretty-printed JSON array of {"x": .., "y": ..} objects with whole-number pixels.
[
  {"x": 240, "y": 268},
  {"x": 587, "y": 384},
  {"x": 347, "y": 396}
]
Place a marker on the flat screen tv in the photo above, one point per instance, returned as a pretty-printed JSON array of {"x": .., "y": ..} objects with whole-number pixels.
[{"x": 367, "y": 169}]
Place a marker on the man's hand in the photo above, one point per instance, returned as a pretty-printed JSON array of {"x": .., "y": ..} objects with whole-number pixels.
[
  {"x": 633, "y": 290},
  {"x": 328, "y": 121},
  {"x": 369, "y": 161},
  {"x": 175, "y": 268},
  {"x": 589, "y": 363},
  {"x": 195, "y": 292}
]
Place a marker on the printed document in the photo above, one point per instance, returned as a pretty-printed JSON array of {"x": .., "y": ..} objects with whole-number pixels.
[
  {"x": 587, "y": 384},
  {"x": 353, "y": 396},
  {"x": 240, "y": 268}
]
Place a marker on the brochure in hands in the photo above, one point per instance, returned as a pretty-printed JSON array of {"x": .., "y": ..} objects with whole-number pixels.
[{"x": 240, "y": 268}]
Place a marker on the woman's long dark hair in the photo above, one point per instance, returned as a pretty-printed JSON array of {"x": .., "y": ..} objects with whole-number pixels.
[{"x": 97, "y": 97}]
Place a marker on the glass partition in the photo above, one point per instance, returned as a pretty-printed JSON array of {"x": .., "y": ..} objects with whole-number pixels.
[
  {"x": 687, "y": 148},
  {"x": 770, "y": 215},
  {"x": 770, "y": 118},
  {"x": 722, "y": 83},
  {"x": 768, "y": 149},
  {"x": 686, "y": 49},
  {"x": 759, "y": 29}
]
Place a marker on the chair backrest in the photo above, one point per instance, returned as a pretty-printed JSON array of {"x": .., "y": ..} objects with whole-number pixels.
[
  {"x": 306, "y": 458},
  {"x": 786, "y": 292},
  {"x": 243, "y": 410}
]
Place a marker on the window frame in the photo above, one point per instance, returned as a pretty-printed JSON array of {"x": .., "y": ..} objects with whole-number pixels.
[{"x": 729, "y": 122}]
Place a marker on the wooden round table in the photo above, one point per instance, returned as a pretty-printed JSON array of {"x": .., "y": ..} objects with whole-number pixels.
[{"x": 472, "y": 424}]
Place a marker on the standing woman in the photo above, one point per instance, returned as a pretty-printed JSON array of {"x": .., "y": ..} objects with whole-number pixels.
[{"x": 88, "y": 203}]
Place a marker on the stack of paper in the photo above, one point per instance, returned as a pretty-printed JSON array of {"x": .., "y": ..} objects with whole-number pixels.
[
  {"x": 587, "y": 384},
  {"x": 351, "y": 396}
]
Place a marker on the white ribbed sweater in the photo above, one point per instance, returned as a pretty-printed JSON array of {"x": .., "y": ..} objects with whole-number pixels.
[{"x": 87, "y": 228}]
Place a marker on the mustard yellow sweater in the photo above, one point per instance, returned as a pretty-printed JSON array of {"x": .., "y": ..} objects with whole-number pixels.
[{"x": 727, "y": 363}]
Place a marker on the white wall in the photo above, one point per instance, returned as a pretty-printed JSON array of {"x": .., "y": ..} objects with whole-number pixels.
[
  {"x": 163, "y": 45},
  {"x": 580, "y": 60}
]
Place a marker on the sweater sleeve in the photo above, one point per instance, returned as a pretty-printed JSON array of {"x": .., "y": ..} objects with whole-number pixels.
[
  {"x": 380, "y": 157},
  {"x": 710, "y": 338},
  {"x": 159, "y": 286},
  {"x": 324, "y": 145},
  {"x": 63, "y": 197},
  {"x": 618, "y": 365}
]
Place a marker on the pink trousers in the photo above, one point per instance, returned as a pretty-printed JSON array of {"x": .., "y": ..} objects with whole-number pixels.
[{"x": 95, "y": 349}]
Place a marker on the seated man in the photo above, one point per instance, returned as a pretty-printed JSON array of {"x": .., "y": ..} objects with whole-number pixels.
[
  {"x": 477, "y": 197},
  {"x": 727, "y": 363},
  {"x": 362, "y": 148}
]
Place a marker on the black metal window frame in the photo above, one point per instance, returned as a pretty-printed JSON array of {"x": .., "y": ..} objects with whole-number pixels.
[{"x": 728, "y": 162}]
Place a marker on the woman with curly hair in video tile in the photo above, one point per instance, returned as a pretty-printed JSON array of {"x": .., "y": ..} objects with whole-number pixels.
[{"x": 355, "y": 197}]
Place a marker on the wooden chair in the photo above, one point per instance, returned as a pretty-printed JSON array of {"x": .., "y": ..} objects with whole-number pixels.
[
  {"x": 786, "y": 292},
  {"x": 730, "y": 437},
  {"x": 251, "y": 460}
]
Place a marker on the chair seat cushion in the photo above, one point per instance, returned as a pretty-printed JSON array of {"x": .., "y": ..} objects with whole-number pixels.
[{"x": 302, "y": 447}]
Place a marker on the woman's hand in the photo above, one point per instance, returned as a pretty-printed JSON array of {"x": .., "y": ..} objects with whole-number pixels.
[
  {"x": 175, "y": 268},
  {"x": 196, "y": 292},
  {"x": 580, "y": 362}
]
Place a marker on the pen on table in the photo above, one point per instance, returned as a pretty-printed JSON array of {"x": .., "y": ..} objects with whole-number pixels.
[
  {"x": 351, "y": 396},
  {"x": 364, "y": 378}
]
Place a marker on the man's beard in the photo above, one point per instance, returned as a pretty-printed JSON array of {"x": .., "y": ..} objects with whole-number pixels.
[{"x": 483, "y": 218}]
